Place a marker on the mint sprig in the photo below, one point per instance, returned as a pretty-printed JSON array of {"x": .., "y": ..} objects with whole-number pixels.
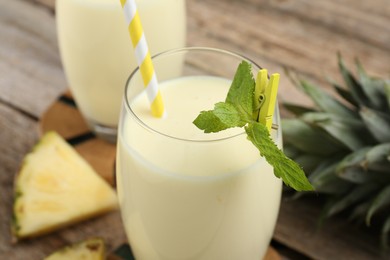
[{"x": 238, "y": 110}]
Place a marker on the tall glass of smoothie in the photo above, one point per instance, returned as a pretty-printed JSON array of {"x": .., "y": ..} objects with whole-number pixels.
[
  {"x": 185, "y": 194},
  {"x": 97, "y": 53}
]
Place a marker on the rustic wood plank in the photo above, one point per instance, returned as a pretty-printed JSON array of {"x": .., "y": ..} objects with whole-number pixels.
[
  {"x": 48, "y": 3},
  {"x": 340, "y": 17},
  {"x": 30, "y": 70},
  {"x": 64, "y": 119},
  {"x": 380, "y": 7},
  {"x": 275, "y": 39},
  {"x": 15, "y": 141}
]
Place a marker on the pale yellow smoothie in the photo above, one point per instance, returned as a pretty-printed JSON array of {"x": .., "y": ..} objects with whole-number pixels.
[
  {"x": 97, "y": 53},
  {"x": 189, "y": 195}
]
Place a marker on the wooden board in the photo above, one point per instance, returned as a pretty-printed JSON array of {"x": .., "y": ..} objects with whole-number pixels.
[{"x": 31, "y": 75}]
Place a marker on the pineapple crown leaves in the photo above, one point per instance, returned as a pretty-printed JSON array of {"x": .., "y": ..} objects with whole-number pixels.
[
  {"x": 358, "y": 114},
  {"x": 343, "y": 144}
]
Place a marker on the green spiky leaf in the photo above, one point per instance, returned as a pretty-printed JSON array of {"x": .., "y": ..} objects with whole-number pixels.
[
  {"x": 387, "y": 92},
  {"x": 345, "y": 132},
  {"x": 357, "y": 194},
  {"x": 318, "y": 117},
  {"x": 381, "y": 200},
  {"x": 354, "y": 86},
  {"x": 378, "y": 123},
  {"x": 360, "y": 210},
  {"x": 350, "y": 167},
  {"x": 325, "y": 180},
  {"x": 344, "y": 93},
  {"x": 297, "y": 109},
  {"x": 325, "y": 101},
  {"x": 385, "y": 233},
  {"x": 308, "y": 161},
  {"x": 307, "y": 138},
  {"x": 377, "y": 158},
  {"x": 291, "y": 151},
  {"x": 372, "y": 87}
]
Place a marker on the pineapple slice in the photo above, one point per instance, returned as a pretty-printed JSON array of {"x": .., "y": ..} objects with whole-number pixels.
[
  {"x": 55, "y": 188},
  {"x": 90, "y": 249}
]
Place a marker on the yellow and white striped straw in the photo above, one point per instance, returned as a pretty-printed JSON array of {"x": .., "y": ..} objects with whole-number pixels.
[{"x": 143, "y": 57}]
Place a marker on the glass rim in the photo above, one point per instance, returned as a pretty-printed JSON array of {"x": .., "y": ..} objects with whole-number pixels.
[{"x": 183, "y": 50}]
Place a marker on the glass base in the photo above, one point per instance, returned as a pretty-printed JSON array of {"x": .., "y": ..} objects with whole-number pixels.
[{"x": 108, "y": 133}]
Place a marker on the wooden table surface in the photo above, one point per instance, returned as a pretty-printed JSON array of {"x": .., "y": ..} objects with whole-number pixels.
[{"x": 303, "y": 35}]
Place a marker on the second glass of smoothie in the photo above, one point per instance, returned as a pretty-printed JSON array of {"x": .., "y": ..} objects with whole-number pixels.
[{"x": 97, "y": 53}]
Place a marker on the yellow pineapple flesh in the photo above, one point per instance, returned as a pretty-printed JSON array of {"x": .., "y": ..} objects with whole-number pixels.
[
  {"x": 90, "y": 249},
  {"x": 57, "y": 187}
]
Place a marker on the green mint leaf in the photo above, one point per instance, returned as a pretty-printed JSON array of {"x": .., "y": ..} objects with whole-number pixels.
[
  {"x": 228, "y": 114},
  {"x": 224, "y": 116},
  {"x": 284, "y": 167},
  {"x": 242, "y": 90},
  {"x": 209, "y": 122}
]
